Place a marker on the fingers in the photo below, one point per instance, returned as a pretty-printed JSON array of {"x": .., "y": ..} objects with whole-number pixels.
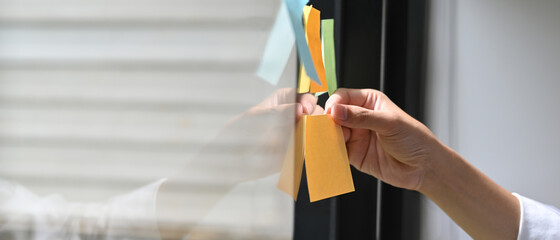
[
  {"x": 349, "y": 116},
  {"x": 299, "y": 111},
  {"x": 317, "y": 111},
  {"x": 308, "y": 101},
  {"x": 283, "y": 96},
  {"x": 367, "y": 98},
  {"x": 284, "y": 100},
  {"x": 347, "y": 133}
]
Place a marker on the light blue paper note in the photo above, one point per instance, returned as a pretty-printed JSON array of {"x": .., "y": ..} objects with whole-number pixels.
[
  {"x": 295, "y": 8},
  {"x": 278, "y": 48}
]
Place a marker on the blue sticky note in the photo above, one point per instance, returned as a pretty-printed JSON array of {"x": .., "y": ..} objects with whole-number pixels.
[
  {"x": 278, "y": 48},
  {"x": 295, "y": 8}
]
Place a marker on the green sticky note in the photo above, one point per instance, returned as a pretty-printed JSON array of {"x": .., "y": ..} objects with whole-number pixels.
[{"x": 327, "y": 36}]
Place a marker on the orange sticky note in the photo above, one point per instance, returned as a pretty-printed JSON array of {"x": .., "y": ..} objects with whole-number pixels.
[
  {"x": 304, "y": 81},
  {"x": 320, "y": 141},
  {"x": 313, "y": 33},
  {"x": 326, "y": 159},
  {"x": 292, "y": 169}
]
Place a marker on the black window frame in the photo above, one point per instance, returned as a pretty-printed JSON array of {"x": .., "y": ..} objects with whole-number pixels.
[{"x": 380, "y": 44}]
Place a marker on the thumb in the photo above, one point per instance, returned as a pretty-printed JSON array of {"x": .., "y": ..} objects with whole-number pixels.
[{"x": 358, "y": 117}]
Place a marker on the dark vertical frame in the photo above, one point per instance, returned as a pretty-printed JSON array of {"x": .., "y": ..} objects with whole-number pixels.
[
  {"x": 399, "y": 210},
  {"x": 373, "y": 211},
  {"x": 358, "y": 36}
]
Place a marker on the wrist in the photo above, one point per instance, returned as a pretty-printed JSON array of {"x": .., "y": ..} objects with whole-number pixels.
[{"x": 439, "y": 167}]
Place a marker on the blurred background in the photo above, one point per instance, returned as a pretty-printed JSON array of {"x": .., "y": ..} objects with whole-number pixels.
[
  {"x": 492, "y": 95},
  {"x": 99, "y": 98}
]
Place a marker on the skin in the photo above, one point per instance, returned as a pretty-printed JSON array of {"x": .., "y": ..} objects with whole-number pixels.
[{"x": 385, "y": 142}]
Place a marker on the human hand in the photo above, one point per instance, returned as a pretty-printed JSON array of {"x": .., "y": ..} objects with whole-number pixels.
[
  {"x": 251, "y": 146},
  {"x": 269, "y": 124},
  {"x": 382, "y": 140},
  {"x": 385, "y": 142},
  {"x": 283, "y": 102},
  {"x": 257, "y": 139}
]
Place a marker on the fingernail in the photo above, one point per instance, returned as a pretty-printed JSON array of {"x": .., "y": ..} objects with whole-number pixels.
[
  {"x": 309, "y": 108},
  {"x": 340, "y": 112}
]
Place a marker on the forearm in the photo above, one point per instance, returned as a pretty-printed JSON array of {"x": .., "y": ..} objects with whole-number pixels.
[{"x": 477, "y": 204}]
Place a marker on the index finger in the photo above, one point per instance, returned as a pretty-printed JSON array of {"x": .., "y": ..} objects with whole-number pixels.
[{"x": 366, "y": 98}]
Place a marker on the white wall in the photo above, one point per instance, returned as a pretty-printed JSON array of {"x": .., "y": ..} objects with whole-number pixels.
[{"x": 493, "y": 74}]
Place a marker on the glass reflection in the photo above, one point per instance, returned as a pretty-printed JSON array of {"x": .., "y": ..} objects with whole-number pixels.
[{"x": 142, "y": 120}]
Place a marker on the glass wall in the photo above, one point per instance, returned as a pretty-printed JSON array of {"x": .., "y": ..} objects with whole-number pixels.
[{"x": 141, "y": 119}]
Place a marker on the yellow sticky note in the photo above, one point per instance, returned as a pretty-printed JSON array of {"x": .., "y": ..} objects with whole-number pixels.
[
  {"x": 326, "y": 159},
  {"x": 306, "y": 10},
  {"x": 304, "y": 80},
  {"x": 292, "y": 169}
]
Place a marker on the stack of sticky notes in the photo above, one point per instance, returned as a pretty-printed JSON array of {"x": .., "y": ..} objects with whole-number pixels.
[
  {"x": 314, "y": 40},
  {"x": 318, "y": 140},
  {"x": 319, "y": 35}
]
